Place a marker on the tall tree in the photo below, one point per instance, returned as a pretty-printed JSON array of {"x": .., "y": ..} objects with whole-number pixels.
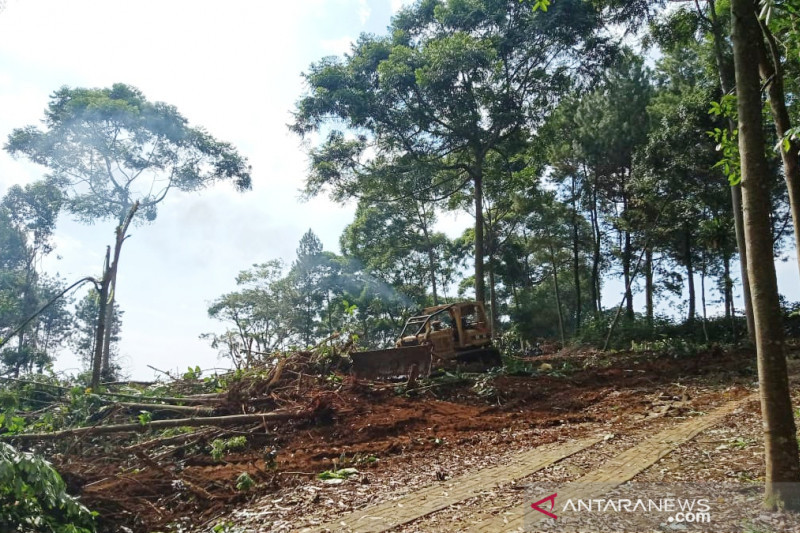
[
  {"x": 27, "y": 220},
  {"x": 396, "y": 242},
  {"x": 780, "y": 439},
  {"x": 679, "y": 31},
  {"x": 307, "y": 277},
  {"x": 449, "y": 85},
  {"x": 772, "y": 67},
  {"x": 613, "y": 123},
  {"x": 113, "y": 153}
]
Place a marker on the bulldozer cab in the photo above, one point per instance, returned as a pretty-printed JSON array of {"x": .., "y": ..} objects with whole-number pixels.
[
  {"x": 456, "y": 333},
  {"x": 448, "y": 329}
]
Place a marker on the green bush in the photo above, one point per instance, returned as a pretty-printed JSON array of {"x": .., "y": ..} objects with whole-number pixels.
[{"x": 33, "y": 497}]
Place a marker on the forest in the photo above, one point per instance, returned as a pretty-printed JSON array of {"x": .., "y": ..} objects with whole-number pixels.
[{"x": 606, "y": 177}]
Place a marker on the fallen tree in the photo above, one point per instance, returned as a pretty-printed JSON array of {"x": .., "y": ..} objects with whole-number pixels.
[
  {"x": 161, "y": 424},
  {"x": 157, "y": 407}
]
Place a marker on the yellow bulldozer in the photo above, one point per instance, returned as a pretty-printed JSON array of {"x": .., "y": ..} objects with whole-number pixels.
[{"x": 452, "y": 335}]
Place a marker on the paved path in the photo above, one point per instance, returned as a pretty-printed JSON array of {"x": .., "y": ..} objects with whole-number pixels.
[
  {"x": 618, "y": 469},
  {"x": 415, "y": 505},
  {"x": 615, "y": 471}
]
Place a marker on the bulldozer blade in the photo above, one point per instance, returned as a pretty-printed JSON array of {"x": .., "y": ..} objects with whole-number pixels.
[{"x": 393, "y": 362}]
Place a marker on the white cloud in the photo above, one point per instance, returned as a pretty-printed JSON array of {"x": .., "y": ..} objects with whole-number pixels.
[
  {"x": 364, "y": 11},
  {"x": 337, "y": 47},
  {"x": 396, "y": 5}
]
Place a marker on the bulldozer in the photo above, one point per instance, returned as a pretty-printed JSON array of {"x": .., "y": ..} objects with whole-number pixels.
[{"x": 451, "y": 335}]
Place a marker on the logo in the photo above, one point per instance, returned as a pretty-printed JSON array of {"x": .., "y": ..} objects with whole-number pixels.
[{"x": 552, "y": 500}]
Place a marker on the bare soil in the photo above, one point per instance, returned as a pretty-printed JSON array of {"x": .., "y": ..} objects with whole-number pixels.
[{"x": 401, "y": 440}]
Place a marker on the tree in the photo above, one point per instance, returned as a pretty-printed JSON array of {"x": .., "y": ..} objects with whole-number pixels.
[
  {"x": 113, "y": 153},
  {"x": 772, "y": 67},
  {"x": 307, "y": 275},
  {"x": 449, "y": 85},
  {"x": 679, "y": 181},
  {"x": 27, "y": 219},
  {"x": 395, "y": 241},
  {"x": 33, "y": 496},
  {"x": 780, "y": 440},
  {"x": 260, "y": 312},
  {"x": 84, "y": 336}
]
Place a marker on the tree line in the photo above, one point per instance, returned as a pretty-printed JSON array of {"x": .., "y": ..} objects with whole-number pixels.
[{"x": 648, "y": 145}]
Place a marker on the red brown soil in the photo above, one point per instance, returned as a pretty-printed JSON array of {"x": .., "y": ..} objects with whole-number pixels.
[{"x": 184, "y": 485}]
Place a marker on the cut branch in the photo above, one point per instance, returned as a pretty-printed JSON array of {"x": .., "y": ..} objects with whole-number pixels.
[{"x": 161, "y": 424}]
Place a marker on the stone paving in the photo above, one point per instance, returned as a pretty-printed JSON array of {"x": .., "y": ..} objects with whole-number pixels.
[
  {"x": 415, "y": 505},
  {"x": 619, "y": 469}
]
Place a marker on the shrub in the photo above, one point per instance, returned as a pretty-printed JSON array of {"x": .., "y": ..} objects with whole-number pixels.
[{"x": 33, "y": 497}]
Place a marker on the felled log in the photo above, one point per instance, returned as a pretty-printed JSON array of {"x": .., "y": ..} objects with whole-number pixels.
[
  {"x": 188, "y": 409},
  {"x": 165, "y": 399},
  {"x": 161, "y": 424}
]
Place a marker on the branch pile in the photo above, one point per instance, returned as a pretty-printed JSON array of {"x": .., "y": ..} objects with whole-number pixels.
[{"x": 142, "y": 455}]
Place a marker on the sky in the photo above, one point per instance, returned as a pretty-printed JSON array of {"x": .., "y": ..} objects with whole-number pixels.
[{"x": 232, "y": 67}]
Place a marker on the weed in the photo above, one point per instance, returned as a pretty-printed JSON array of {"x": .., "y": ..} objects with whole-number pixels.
[
  {"x": 342, "y": 473},
  {"x": 225, "y": 527},
  {"x": 244, "y": 482},
  {"x": 145, "y": 417},
  {"x": 220, "y": 447},
  {"x": 192, "y": 374},
  {"x": 741, "y": 443}
]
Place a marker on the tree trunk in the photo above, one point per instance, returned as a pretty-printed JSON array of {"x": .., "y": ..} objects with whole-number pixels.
[
  {"x": 576, "y": 264},
  {"x": 597, "y": 236},
  {"x": 726, "y": 286},
  {"x": 648, "y": 284},
  {"x": 703, "y": 295},
  {"x": 250, "y": 418},
  {"x": 480, "y": 291},
  {"x": 492, "y": 297},
  {"x": 730, "y": 309},
  {"x": 431, "y": 255},
  {"x": 726, "y": 79},
  {"x": 97, "y": 359},
  {"x": 628, "y": 285},
  {"x": 432, "y": 266},
  {"x": 120, "y": 235},
  {"x": 780, "y": 440},
  {"x": 687, "y": 243},
  {"x": 771, "y": 68},
  {"x": 558, "y": 297}
]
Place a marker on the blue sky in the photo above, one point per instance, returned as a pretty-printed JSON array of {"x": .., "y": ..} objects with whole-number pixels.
[{"x": 233, "y": 67}]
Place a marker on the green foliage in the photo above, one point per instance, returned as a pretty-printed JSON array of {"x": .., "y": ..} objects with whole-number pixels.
[
  {"x": 27, "y": 221},
  {"x": 33, "y": 497},
  {"x": 541, "y": 4},
  {"x": 11, "y": 424},
  {"x": 342, "y": 473},
  {"x": 220, "y": 447},
  {"x": 727, "y": 141},
  {"x": 144, "y": 417},
  {"x": 450, "y": 85},
  {"x": 225, "y": 527},
  {"x": 85, "y": 324},
  {"x": 192, "y": 374},
  {"x": 244, "y": 482},
  {"x": 137, "y": 138}
]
